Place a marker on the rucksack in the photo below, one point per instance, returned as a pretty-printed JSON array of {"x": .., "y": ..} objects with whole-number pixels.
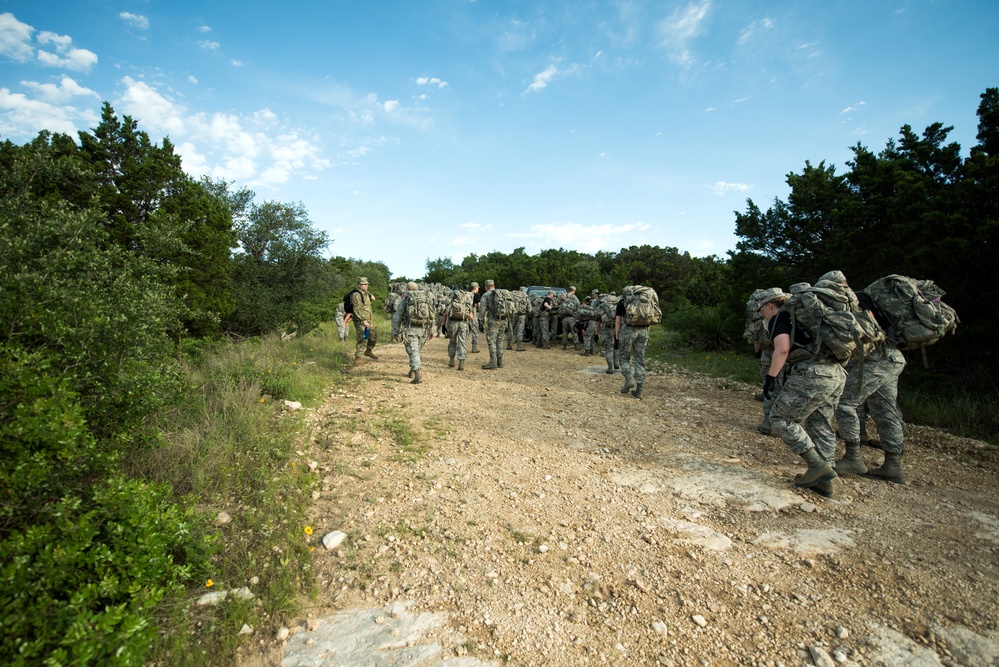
[
  {"x": 460, "y": 307},
  {"x": 348, "y": 306},
  {"x": 641, "y": 307},
  {"x": 419, "y": 309},
  {"x": 608, "y": 308},
  {"x": 521, "y": 302},
  {"x": 918, "y": 316},
  {"x": 568, "y": 307},
  {"x": 756, "y": 330},
  {"x": 831, "y": 313},
  {"x": 391, "y": 302},
  {"x": 587, "y": 312},
  {"x": 502, "y": 304}
]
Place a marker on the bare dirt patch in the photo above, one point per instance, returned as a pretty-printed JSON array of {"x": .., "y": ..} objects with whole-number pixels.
[{"x": 532, "y": 515}]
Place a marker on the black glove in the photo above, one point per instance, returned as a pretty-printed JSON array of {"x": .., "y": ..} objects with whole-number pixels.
[
  {"x": 482, "y": 329},
  {"x": 768, "y": 386},
  {"x": 758, "y": 353},
  {"x": 617, "y": 343}
]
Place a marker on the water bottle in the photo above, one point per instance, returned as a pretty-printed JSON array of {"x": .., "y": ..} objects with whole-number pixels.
[{"x": 367, "y": 333}]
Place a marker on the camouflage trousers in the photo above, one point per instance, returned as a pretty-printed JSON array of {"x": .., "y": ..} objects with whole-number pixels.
[
  {"x": 591, "y": 331},
  {"x": 879, "y": 387},
  {"x": 496, "y": 338},
  {"x": 473, "y": 329},
  {"x": 457, "y": 333},
  {"x": 414, "y": 339},
  {"x": 536, "y": 329},
  {"x": 359, "y": 336},
  {"x": 802, "y": 414},
  {"x": 765, "y": 359},
  {"x": 515, "y": 328},
  {"x": 546, "y": 331},
  {"x": 568, "y": 335},
  {"x": 634, "y": 341},
  {"x": 612, "y": 356}
]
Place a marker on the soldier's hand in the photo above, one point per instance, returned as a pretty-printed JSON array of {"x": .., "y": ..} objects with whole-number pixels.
[{"x": 769, "y": 386}]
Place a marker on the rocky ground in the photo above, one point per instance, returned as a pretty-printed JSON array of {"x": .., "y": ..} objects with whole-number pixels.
[{"x": 532, "y": 515}]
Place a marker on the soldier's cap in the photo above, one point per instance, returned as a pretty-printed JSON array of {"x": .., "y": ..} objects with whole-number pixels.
[
  {"x": 490, "y": 282},
  {"x": 411, "y": 286},
  {"x": 595, "y": 291},
  {"x": 772, "y": 295},
  {"x": 572, "y": 288},
  {"x": 362, "y": 281},
  {"x": 833, "y": 276},
  {"x": 475, "y": 284}
]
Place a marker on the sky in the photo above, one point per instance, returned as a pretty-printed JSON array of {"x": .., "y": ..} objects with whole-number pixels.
[{"x": 423, "y": 130}]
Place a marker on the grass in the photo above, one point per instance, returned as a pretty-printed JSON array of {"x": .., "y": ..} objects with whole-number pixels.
[{"x": 232, "y": 447}]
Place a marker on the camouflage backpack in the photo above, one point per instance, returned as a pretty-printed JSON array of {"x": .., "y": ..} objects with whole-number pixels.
[
  {"x": 918, "y": 316},
  {"x": 608, "y": 308},
  {"x": 567, "y": 307},
  {"x": 460, "y": 306},
  {"x": 502, "y": 305},
  {"x": 831, "y": 313},
  {"x": 534, "y": 305},
  {"x": 391, "y": 301},
  {"x": 587, "y": 312},
  {"x": 521, "y": 302},
  {"x": 756, "y": 330},
  {"x": 419, "y": 308},
  {"x": 641, "y": 306}
]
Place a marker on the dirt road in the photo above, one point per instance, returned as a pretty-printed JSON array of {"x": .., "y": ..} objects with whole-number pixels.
[{"x": 532, "y": 515}]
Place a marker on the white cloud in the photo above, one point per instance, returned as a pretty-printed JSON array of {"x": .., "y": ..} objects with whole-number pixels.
[
  {"x": 137, "y": 20},
  {"x": 430, "y": 81},
  {"x": 542, "y": 79},
  {"x": 753, "y": 29},
  {"x": 584, "y": 238},
  {"x": 153, "y": 111},
  {"x": 193, "y": 79},
  {"x": 722, "y": 188},
  {"x": 853, "y": 107},
  {"x": 238, "y": 63},
  {"x": 21, "y": 116},
  {"x": 65, "y": 55},
  {"x": 59, "y": 94},
  {"x": 680, "y": 29},
  {"x": 205, "y": 29},
  {"x": 15, "y": 38},
  {"x": 391, "y": 105},
  {"x": 209, "y": 45}
]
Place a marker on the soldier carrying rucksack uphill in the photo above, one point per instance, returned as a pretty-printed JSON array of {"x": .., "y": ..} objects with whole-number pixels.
[
  {"x": 415, "y": 319},
  {"x": 637, "y": 310}
]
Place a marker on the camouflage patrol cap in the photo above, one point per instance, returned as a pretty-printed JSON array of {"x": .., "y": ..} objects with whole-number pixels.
[
  {"x": 475, "y": 284},
  {"x": 772, "y": 295},
  {"x": 572, "y": 288},
  {"x": 362, "y": 281},
  {"x": 411, "y": 286},
  {"x": 490, "y": 282},
  {"x": 595, "y": 291},
  {"x": 833, "y": 276}
]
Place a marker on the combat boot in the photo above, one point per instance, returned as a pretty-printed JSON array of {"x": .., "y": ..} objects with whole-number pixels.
[
  {"x": 368, "y": 353},
  {"x": 461, "y": 364},
  {"x": 576, "y": 347},
  {"x": 475, "y": 349},
  {"x": 509, "y": 346},
  {"x": 410, "y": 373},
  {"x": 629, "y": 382},
  {"x": 417, "y": 377},
  {"x": 610, "y": 368},
  {"x": 565, "y": 346},
  {"x": 450, "y": 363},
  {"x": 852, "y": 462},
  {"x": 499, "y": 361},
  {"x": 520, "y": 346},
  {"x": 819, "y": 469},
  {"x": 764, "y": 426},
  {"x": 824, "y": 489},
  {"x": 546, "y": 346},
  {"x": 890, "y": 470},
  {"x": 584, "y": 353},
  {"x": 492, "y": 363},
  {"x": 638, "y": 391}
]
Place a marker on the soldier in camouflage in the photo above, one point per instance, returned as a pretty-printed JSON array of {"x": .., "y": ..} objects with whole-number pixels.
[
  {"x": 633, "y": 340},
  {"x": 414, "y": 335},
  {"x": 458, "y": 328},
  {"x": 495, "y": 327},
  {"x": 571, "y": 306},
  {"x": 364, "y": 326}
]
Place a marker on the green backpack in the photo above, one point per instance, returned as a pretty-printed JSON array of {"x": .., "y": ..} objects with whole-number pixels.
[
  {"x": 641, "y": 306},
  {"x": 460, "y": 307},
  {"x": 831, "y": 312},
  {"x": 503, "y": 305},
  {"x": 917, "y": 314},
  {"x": 419, "y": 309}
]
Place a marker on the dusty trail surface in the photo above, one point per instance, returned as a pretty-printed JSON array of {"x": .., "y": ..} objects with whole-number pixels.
[{"x": 532, "y": 515}]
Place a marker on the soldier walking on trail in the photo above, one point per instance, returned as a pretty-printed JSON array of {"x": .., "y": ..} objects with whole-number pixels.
[
  {"x": 342, "y": 321},
  {"x": 608, "y": 315},
  {"x": 874, "y": 381},
  {"x": 364, "y": 326},
  {"x": 415, "y": 318},
  {"x": 458, "y": 318},
  {"x": 592, "y": 322},
  {"x": 633, "y": 340},
  {"x": 495, "y": 327},
  {"x": 570, "y": 306},
  {"x": 803, "y": 409}
]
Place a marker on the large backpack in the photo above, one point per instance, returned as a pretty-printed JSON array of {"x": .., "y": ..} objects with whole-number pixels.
[
  {"x": 534, "y": 304},
  {"x": 348, "y": 306},
  {"x": 568, "y": 307},
  {"x": 918, "y": 316},
  {"x": 756, "y": 329},
  {"x": 831, "y": 313},
  {"x": 521, "y": 302},
  {"x": 419, "y": 309},
  {"x": 502, "y": 304},
  {"x": 460, "y": 306},
  {"x": 608, "y": 308},
  {"x": 641, "y": 307},
  {"x": 587, "y": 312}
]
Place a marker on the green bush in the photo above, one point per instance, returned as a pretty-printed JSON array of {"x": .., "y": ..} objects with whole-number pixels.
[
  {"x": 711, "y": 328},
  {"x": 81, "y": 584}
]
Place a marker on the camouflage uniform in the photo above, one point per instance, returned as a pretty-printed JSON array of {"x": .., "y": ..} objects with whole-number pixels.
[
  {"x": 341, "y": 325},
  {"x": 882, "y": 369},
  {"x": 811, "y": 390},
  {"x": 569, "y": 321},
  {"x": 495, "y": 328},
  {"x": 458, "y": 332},
  {"x": 515, "y": 328},
  {"x": 756, "y": 334},
  {"x": 545, "y": 318},
  {"x": 415, "y": 336},
  {"x": 473, "y": 326},
  {"x": 361, "y": 302},
  {"x": 612, "y": 355},
  {"x": 633, "y": 343}
]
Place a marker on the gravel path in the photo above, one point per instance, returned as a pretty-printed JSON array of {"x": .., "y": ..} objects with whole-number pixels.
[{"x": 532, "y": 515}]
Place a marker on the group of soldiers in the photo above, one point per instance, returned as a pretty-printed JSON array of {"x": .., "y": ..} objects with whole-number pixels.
[
  {"x": 501, "y": 317},
  {"x": 805, "y": 389}
]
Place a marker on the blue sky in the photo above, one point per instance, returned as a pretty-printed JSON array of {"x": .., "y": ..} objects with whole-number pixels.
[{"x": 419, "y": 130}]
